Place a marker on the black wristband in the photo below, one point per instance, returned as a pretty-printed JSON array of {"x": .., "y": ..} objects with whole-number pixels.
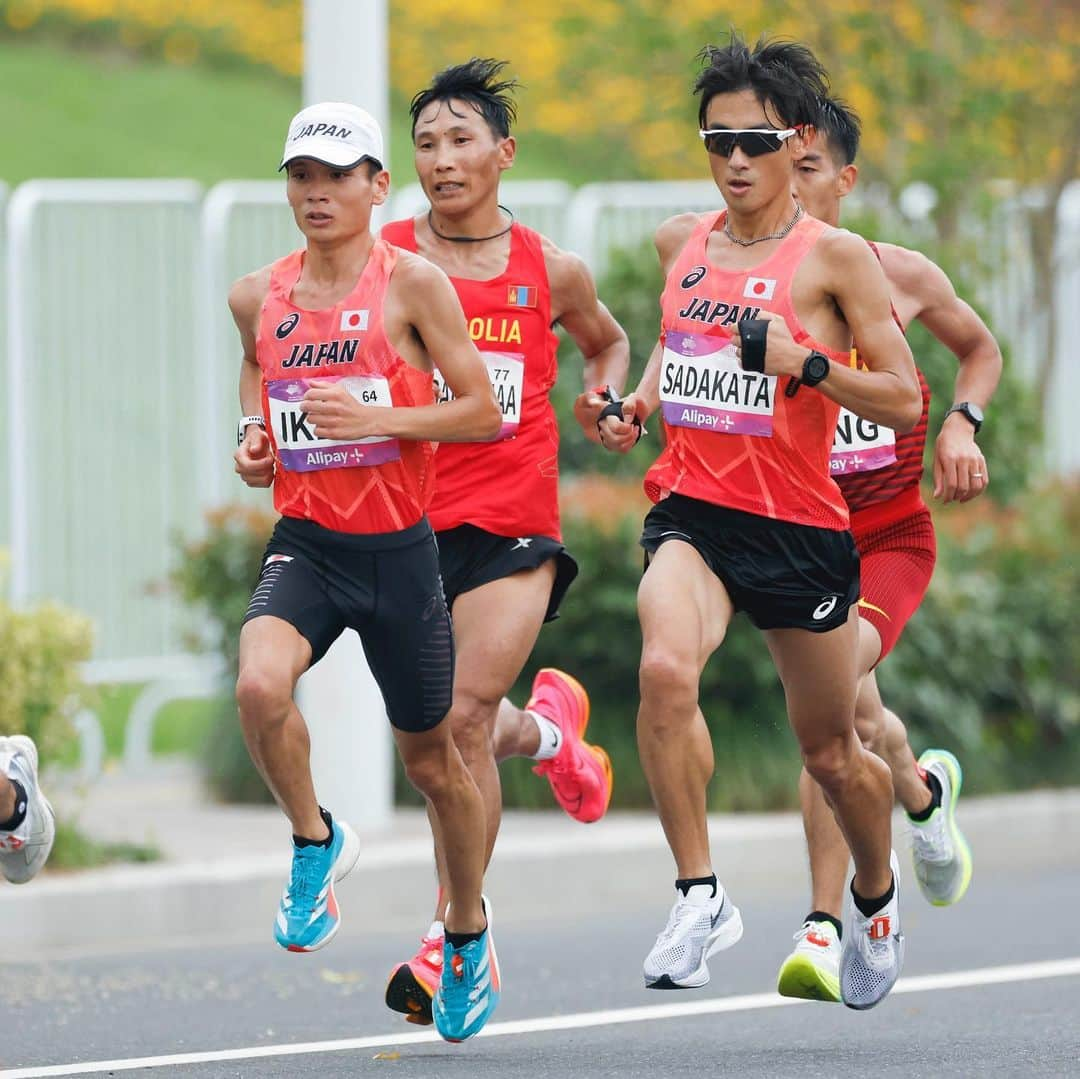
[
  {"x": 753, "y": 333},
  {"x": 614, "y": 408}
]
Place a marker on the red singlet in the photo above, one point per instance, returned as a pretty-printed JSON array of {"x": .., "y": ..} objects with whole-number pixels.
[
  {"x": 509, "y": 486},
  {"x": 733, "y": 437},
  {"x": 363, "y": 485}
]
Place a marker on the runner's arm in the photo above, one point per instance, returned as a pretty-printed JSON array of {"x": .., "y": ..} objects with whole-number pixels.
[
  {"x": 621, "y": 437},
  {"x": 888, "y": 391},
  {"x": 960, "y": 470},
  {"x": 430, "y": 307},
  {"x": 602, "y": 341},
  {"x": 254, "y": 459}
]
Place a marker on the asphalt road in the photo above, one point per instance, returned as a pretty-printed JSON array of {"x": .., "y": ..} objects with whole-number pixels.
[{"x": 571, "y": 937}]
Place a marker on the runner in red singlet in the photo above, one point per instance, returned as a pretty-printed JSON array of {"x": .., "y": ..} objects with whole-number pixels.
[
  {"x": 878, "y": 473},
  {"x": 747, "y": 516},
  {"x": 496, "y": 505},
  {"x": 336, "y": 387}
]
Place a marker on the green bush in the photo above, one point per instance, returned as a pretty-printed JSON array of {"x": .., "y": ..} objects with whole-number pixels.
[
  {"x": 990, "y": 665},
  {"x": 73, "y": 849},
  {"x": 631, "y": 291},
  {"x": 216, "y": 575},
  {"x": 40, "y": 653}
]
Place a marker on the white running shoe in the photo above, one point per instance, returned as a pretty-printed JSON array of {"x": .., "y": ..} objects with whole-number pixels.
[
  {"x": 812, "y": 971},
  {"x": 697, "y": 927},
  {"x": 938, "y": 848},
  {"x": 24, "y": 850},
  {"x": 873, "y": 952}
]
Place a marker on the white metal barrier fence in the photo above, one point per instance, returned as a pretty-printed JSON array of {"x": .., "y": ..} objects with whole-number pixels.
[{"x": 121, "y": 366}]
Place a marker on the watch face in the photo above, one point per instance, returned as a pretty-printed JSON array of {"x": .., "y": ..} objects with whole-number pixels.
[
  {"x": 974, "y": 412},
  {"x": 817, "y": 367}
]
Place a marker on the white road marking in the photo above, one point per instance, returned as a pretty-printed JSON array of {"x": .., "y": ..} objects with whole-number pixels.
[{"x": 960, "y": 979}]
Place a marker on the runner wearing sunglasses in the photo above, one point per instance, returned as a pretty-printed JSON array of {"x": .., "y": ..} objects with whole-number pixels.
[
  {"x": 747, "y": 516},
  {"x": 878, "y": 474}
]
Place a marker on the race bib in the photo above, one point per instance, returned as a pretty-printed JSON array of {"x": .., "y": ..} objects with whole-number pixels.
[
  {"x": 299, "y": 450},
  {"x": 861, "y": 446},
  {"x": 507, "y": 373},
  {"x": 702, "y": 385}
]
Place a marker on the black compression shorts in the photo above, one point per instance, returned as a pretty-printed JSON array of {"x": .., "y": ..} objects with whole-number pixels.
[{"x": 386, "y": 587}]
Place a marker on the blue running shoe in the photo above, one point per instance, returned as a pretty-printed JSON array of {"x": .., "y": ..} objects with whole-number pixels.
[
  {"x": 308, "y": 916},
  {"x": 469, "y": 990}
]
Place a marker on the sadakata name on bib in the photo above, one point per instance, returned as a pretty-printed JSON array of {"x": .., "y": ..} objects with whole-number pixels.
[{"x": 717, "y": 387}]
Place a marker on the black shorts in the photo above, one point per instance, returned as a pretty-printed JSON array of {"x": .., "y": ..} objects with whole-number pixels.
[
  {"x": 783, "y": 575},
  {"x": 386, "y": 587},
  {"x": 470, "y": 557}
]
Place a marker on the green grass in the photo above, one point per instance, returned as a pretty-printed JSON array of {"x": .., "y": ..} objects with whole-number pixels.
[
  {"x": 82, "y": 113},
  {"x": 74, "y": 850},
  {"x": 85, "y": 114}
]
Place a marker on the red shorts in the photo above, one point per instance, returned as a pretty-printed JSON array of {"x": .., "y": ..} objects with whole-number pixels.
[{"x": 897, "y": 564}]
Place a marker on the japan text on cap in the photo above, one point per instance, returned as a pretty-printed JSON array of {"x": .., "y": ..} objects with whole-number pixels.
[{"x": 334, "y": 133}]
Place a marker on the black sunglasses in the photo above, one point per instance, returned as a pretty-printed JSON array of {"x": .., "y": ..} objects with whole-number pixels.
[{"x": 753, "y": 141}]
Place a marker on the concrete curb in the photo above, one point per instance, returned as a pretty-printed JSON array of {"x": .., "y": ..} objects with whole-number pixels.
[{"x": 118, "y": 909}]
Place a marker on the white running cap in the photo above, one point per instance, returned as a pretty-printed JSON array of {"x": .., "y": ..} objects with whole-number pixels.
[{"x": 334, "y": 133}]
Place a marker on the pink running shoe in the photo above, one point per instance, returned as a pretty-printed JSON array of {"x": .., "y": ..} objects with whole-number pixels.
[{"x": 580, "y": 774}]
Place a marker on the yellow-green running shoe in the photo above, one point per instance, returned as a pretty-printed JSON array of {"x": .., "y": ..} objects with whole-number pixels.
[
  {"x": 939, "y": 850},
  {"x": 812, "y": 971}
]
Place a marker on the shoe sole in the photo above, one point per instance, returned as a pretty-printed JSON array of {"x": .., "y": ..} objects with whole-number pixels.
[
  {"x": 800, "y": 977},
  {"x": 723, "y": 937},
  {"x": 344, "y": 864},
  {"x": 578, "y": 691},
  {"x": 960, "y": 843},
  {"x": 407, "y": 994}
]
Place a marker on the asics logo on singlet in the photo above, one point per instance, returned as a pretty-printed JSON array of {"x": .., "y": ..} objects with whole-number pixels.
[
  {"x": 825, "y": 608},
  {"x": 694, "y": 276},
  {"x": 286, "y": 326}
]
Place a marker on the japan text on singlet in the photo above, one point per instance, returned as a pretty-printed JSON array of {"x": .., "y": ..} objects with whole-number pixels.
[
  {"x": 509, "y": 485},
  {"x": 733, "y": 437},
  {"x": 358, "y": 485}
]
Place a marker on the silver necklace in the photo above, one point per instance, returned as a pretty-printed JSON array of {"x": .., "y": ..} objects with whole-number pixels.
[{"x": 761, "y": 239}]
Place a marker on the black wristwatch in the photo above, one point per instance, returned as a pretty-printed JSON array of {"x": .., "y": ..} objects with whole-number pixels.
[
  {"x": 972, "y": 413},
  {"x": 815, "y": 369}
]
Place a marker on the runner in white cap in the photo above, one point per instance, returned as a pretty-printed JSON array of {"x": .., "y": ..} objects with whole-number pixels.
[{"x": 340, "y": 342}]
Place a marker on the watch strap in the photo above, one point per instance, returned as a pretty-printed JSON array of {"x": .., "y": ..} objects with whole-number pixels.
[{"x": 242, "y": 426}]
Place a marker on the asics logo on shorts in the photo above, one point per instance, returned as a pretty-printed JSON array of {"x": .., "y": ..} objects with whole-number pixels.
[
  {"x": 522, "y": 543},
  {"x": 825, "y": 608}
]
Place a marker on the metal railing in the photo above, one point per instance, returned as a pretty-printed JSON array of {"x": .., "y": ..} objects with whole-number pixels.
[{"x": 122, "y": 361}]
